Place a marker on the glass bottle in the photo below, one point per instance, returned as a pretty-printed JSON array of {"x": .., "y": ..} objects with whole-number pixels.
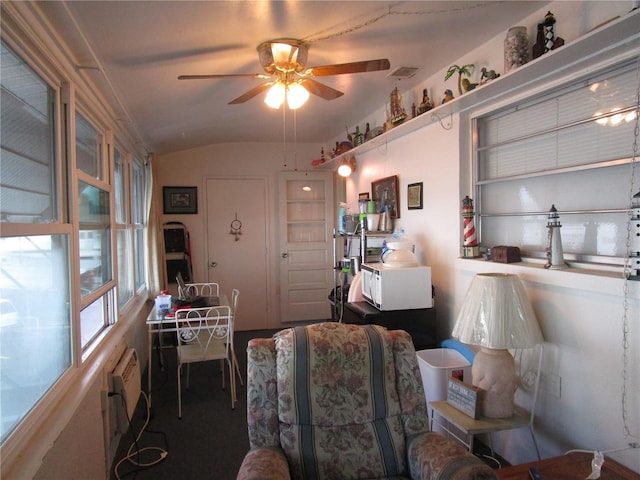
[{"x": 358, "y": 138}]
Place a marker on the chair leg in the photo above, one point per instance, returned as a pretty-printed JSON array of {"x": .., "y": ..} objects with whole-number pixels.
[
  {"x": 237, "y": 368},
  {"x": 232, "y": 384}
]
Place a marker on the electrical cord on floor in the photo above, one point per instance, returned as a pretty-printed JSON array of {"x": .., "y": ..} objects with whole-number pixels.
[{"x": 131, "y": 453}]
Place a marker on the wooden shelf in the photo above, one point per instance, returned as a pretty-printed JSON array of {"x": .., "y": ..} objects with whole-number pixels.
[{"x": 608, "y": 44}]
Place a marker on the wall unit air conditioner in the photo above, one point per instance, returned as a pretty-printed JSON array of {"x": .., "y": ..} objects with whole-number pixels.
[{"x": 126, "y": 385}]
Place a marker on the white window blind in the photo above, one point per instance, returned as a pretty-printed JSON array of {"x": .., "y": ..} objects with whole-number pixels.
[{"x": 570, "y": 148}]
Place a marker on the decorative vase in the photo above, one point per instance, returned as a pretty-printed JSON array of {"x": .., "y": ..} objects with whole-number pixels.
[{"x": 516, "y": 48}]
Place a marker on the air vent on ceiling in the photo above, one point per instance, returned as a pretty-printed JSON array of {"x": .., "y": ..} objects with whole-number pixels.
[{"x": 403, "y": 72}]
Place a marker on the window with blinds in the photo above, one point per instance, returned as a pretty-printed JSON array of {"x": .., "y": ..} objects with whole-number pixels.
[{"x": 571, "y": 148}]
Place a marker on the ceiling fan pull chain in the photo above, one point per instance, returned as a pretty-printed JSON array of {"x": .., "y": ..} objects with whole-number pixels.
[{"x": 284, "y": 136}]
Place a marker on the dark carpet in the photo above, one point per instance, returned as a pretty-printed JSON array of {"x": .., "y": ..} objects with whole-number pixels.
[{"x": 209, "y": 441}]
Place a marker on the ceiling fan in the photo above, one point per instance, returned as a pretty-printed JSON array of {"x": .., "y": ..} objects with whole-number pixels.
[{"x": 283, "y": 60}]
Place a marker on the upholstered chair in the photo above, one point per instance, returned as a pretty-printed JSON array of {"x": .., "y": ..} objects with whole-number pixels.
[{"x": 342, "y": 402}]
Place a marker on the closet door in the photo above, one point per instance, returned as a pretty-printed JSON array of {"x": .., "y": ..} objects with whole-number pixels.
[{"x": 306, "y": 236}]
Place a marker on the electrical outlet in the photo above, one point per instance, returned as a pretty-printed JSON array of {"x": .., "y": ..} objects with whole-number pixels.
[{"x": 554, "y": 384}]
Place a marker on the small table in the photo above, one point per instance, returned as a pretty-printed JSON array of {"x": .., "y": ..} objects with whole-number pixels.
[
  {"x": 157, "y": 324},
  {"x": 573, "y": 466},
  {"x": 471, "y": 427}
]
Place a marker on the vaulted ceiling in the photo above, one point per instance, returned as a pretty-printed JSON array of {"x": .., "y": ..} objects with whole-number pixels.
[{"x": 137, "y": 50}]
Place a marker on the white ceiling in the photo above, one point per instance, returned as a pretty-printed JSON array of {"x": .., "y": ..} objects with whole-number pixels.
[{"x": 142, "y": 47}]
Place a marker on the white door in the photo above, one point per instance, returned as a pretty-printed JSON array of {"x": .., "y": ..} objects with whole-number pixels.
[
  {"x": 237, "y": 245},
  {"x": 306, "y": 245}
]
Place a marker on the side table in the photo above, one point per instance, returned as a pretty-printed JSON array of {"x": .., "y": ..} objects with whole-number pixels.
[
  {"x": 573, "y": 466},
  {"x": 471, "y": 427}
]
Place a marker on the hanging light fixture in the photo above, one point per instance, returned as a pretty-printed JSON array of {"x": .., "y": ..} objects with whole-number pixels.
[{"x": 347, "y": 166}]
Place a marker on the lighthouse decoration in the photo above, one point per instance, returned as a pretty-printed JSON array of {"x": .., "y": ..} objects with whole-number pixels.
[
  {"x": 470, "y": 248},
  {"x": 634, "y": 249},
  {"x": 555, "y": 256},
  {"x": 549, "y": 35}
]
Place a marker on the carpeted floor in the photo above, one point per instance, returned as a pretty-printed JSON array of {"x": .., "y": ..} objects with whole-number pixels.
[{"x": 209, "y": 441}]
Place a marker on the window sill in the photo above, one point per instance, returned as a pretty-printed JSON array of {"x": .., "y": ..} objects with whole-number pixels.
[{"x": 595, "y": 280}]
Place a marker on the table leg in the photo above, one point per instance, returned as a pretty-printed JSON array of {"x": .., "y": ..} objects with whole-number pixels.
[{"x": 149, "y": 364}]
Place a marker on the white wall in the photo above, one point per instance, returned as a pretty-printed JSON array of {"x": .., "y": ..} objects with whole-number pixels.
[{"x": 581, "y": 315}]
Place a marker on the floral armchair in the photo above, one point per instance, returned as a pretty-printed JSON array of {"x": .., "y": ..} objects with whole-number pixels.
[{"x": 338, "y": 401}]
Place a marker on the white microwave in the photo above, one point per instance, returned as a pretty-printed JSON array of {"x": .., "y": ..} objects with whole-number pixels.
[{"x": 404, "y": 288}]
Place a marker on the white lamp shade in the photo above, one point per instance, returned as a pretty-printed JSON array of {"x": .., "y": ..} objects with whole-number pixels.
[
  {"x": 297, "y": 96},
  {"x": 497, "y": 314},
  {"x": 275, "y": 95}
]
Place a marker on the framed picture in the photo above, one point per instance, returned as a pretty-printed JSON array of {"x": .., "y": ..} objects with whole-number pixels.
[
  {"x": 179, "y": 200},
  {"x": 385, "y": 193},
  {"x": 414, "y": 196},
  {"x": 363, "y": 196}
]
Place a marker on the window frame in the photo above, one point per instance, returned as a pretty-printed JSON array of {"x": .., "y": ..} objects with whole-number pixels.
[
  {"x": 39, "y": 428},
  {"x": 578, "y": 259}
]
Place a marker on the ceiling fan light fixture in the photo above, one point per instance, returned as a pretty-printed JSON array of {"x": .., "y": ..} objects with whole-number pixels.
[
  {"x": 297, "y": 96},
  {"x": 275, "y": 95},
  {"x": 284, "y": 54}
]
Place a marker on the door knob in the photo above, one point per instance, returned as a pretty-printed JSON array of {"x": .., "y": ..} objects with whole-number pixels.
[
  {"x": 285, "y": 255},
  {"x": 213, "y": 264}
]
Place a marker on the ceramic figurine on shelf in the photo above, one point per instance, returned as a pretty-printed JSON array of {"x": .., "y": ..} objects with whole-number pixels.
[
  {"x": 465, "y": 70},
  {"x": 397, "y": 112},
  {"x": 425, "y": 104},
  {"x": 555, "y": 256},
  {"x": 467, "y": 85},
  {"x": 487, "y": 75},
  {"x": 551, "y": 42},
  {"x": 549, "y": 35},
  {"x": 538, "y": 47},
  {"x": 470, "y": 247},
  {"x": 448, "y": 96}
]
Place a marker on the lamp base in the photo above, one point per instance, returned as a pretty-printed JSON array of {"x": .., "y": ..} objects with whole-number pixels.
[{"x": 494, "y": 371}]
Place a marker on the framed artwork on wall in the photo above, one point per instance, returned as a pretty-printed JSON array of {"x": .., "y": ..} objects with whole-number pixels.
[
  {"x": 414, "y": 196},
  {"x": 385, "y": 193},
  {"x": 177, "y": 200}
]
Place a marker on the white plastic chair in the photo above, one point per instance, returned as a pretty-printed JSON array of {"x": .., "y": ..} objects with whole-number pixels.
[{"x": 205, "y": 334}]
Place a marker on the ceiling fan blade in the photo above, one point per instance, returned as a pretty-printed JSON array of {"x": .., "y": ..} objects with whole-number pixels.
[
  {"x": 354, "y": 67},
  {"x": 233, "y": 75},
  {"x": 320, "y": 89},
  {"x": 251, "y": 93}
]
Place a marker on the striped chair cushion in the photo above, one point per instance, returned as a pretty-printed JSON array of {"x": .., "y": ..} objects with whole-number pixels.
[{"x": 338, "y": 405}]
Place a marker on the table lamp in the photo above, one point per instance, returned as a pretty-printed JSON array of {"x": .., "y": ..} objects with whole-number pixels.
[{"x": 496, "y": 316}]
